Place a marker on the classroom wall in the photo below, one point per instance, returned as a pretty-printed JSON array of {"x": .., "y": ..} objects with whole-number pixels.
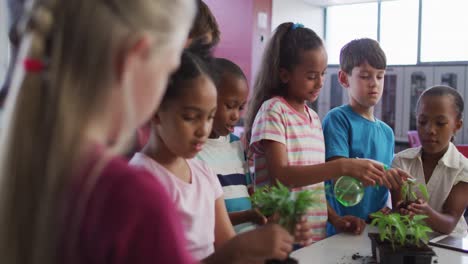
[
  {"x": 241, "y": 34},
  {"x": 299, "y": 12}
]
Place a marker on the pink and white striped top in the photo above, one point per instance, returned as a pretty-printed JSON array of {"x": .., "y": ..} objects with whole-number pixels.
[{"x": 276, "y": 120}]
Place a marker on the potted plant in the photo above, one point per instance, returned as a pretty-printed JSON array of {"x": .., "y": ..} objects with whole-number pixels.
[
  {"x": 285, "y": 206},
  {"x": 401, "y": 239}
]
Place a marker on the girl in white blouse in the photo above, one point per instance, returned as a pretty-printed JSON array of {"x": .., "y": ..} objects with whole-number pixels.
[{"x": 437, "y": 163}]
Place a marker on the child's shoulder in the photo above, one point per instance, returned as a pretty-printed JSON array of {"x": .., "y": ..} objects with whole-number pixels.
[
  {"x": 409, "y": 153},
  {"x": 342, "y": 111},
  {"x": 274, "y": 104},
  {"x": 199, "y": 166},
  {"x": 339, "y": 116},
  {"x": 127, "y": 181},
  {"x": 139, "y": 159},
  {"x": 458, "y": 158}
]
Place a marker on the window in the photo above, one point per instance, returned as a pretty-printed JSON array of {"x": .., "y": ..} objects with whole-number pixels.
[
  {"x": 348, "y": 22},
  {"x": 4, "y": 42},
  {"x": 443, "y": 32},
  {"x": 399, "y": 31}
]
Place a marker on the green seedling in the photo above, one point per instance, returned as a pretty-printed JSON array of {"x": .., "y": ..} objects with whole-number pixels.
[
  {"x": 408, "y": 193},
  {"x": 280, "y": 201},
  {"x": 401, "y": 230}
]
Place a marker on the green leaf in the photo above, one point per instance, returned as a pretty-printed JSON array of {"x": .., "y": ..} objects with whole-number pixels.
[
  {"x": 378, "y": 214},
  {"x": 404, "y": 191},
  {"x": 288, "y": 205},
  {"x": 418, "y": 218},
  {"x": 424, "y": 192}
]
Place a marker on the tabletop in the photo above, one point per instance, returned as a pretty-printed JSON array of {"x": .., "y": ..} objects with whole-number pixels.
[{"x": 352, "y": 249}]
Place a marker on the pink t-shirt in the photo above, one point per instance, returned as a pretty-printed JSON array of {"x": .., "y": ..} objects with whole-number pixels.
[
  {"x": 128, "y": 219},
  {"x": 195, "y": 201},
  {"x": 302, "y": 136}
]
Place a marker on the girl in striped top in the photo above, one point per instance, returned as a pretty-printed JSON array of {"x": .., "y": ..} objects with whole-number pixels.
[{"x": 285, "y": 135}]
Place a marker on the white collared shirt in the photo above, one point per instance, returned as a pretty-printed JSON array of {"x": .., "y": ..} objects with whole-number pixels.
[{"x": 450, "y": 170}]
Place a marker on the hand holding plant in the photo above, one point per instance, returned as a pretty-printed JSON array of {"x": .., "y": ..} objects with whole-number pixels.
[
  {"x": 278, "y": 200},
  {"x": 302, "y": 233},
  {"x": 420, "y": 207},
  {"x": 409, "y": 196},
  {"x": 255, "y": 216},
  {"x": 282, "y": 206},
  {"x": 269, "y": 241}
]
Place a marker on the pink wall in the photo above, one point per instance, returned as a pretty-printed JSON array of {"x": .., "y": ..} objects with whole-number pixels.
[{"x": 240, "y": 35}]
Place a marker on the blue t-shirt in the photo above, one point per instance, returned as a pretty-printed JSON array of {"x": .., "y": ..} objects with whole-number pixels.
[{"x": 348, "y": 134}]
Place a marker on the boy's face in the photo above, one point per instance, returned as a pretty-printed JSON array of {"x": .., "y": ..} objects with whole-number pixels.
[
  {"x": 365, "y": 85},
  {"x": 232, "y": 96}
]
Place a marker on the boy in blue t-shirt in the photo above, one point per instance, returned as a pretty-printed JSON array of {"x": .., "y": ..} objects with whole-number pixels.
[{"x": 352, "y": 131}]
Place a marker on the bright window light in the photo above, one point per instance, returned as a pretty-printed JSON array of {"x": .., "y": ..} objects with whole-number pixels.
[
  {"x": 444, "y": 25},
  {"x": 348, "y": 22},
  {"x": 399, "y": 31}
]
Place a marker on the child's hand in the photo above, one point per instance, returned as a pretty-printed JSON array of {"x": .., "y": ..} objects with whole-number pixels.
[
  {"x": 349, "y": 224},
  {"x": 394, "y": 178},
  {"x": 274, "y": 219},
  {"x": 420, "y": 207},
  {"x": 256, "y": 217},
  {"x": 368, "y": 172},
  {"x": 302, "y": 234},
  {"x": 267, "y": 242},
  {"x": 401, "y": 208}
]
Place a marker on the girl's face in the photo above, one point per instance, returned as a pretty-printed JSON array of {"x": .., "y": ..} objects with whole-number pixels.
[
  {"x": 305, "y": 80},
  {"x": 232, "y": 96},
  {"x": 437, "y": 123},
  {"x": 184, "y": 123}
]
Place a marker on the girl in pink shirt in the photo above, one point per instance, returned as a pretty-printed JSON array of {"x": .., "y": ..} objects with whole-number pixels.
[
  {"x": 285, "y": 135},
  {"x": 179, "y": 130}
]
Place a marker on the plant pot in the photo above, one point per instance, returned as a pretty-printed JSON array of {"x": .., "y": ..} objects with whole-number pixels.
[
  {"x": 383, "y": 252},
  {"x": 289, "y": 260}
]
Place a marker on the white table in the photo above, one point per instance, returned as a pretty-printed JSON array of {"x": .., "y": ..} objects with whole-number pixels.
[{"x": 340, "y": 248}]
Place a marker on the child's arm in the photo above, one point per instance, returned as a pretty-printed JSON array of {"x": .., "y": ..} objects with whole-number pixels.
[
  {"x": 366, "y": 171},
  {"x": 223, "y": 227},
  {"x": 252, "y": 215},
  {"x": 452, "y": 210},
  {"x": 267, "y": 242}
]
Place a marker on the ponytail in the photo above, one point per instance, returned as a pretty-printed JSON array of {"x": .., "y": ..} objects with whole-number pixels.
[{"x": 283, "y": 51}]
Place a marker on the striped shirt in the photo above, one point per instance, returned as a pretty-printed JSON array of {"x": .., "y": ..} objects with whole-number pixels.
[
  {"x": 225, "y": 156},
  {"x": 276, "y": 120}
]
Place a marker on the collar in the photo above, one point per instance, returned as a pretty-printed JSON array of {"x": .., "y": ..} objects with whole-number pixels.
[{"x": 451, "y": 158}]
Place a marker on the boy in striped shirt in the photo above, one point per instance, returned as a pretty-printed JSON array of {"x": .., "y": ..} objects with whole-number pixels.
[{"x": 223, "y": 151}]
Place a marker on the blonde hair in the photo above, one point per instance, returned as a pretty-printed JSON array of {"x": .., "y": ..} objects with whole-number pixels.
[{"x": 48, "y": 112}]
